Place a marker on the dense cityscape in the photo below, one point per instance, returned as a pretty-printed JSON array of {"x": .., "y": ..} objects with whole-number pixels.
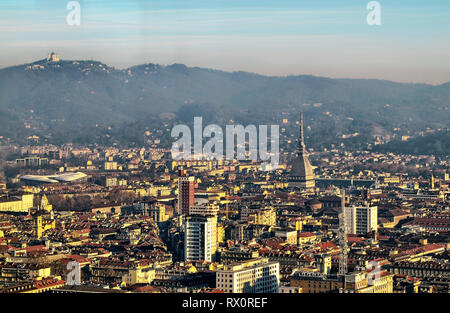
[
  {"x": 224, "y": 156},
  {"x": 79, "y": 219}
]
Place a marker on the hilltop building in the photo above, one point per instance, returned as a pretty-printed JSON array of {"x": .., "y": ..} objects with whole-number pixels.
[{"x": 52, "y": 57}]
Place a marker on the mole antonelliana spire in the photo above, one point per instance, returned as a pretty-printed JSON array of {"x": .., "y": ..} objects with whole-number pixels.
[
  {"x": 302, "y": 174},
  {"x": 301, "y": 141}
]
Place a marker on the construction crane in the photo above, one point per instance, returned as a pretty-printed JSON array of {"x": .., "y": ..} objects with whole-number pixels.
[
  {"x": 226, "y": 203},
  {"x": 342, "y": 235}
]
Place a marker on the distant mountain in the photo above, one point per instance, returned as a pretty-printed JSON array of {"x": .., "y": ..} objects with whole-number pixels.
[{"x": 80, "y": 100}]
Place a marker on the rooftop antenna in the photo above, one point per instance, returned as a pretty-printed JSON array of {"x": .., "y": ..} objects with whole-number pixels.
[{"x": 342, "y": 235}]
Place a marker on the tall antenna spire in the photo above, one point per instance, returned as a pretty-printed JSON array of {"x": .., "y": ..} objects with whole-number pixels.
[
  {"x": 343, "y": 238},
  {"x": 301, "y": 139}
]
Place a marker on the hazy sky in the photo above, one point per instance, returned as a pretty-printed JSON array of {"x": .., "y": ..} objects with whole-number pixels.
[{"x": 276, "y": 37}]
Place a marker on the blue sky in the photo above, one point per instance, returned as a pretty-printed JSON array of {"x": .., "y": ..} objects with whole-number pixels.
[{"x": 320, "y": 37}]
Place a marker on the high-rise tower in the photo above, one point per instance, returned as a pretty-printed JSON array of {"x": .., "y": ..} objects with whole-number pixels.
[
  {"x": 302, "y": 174},
  {"x": 200, "y": 238},
  {"x": 186, "y": 192},
  {"x": 361, "y": 220}
]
